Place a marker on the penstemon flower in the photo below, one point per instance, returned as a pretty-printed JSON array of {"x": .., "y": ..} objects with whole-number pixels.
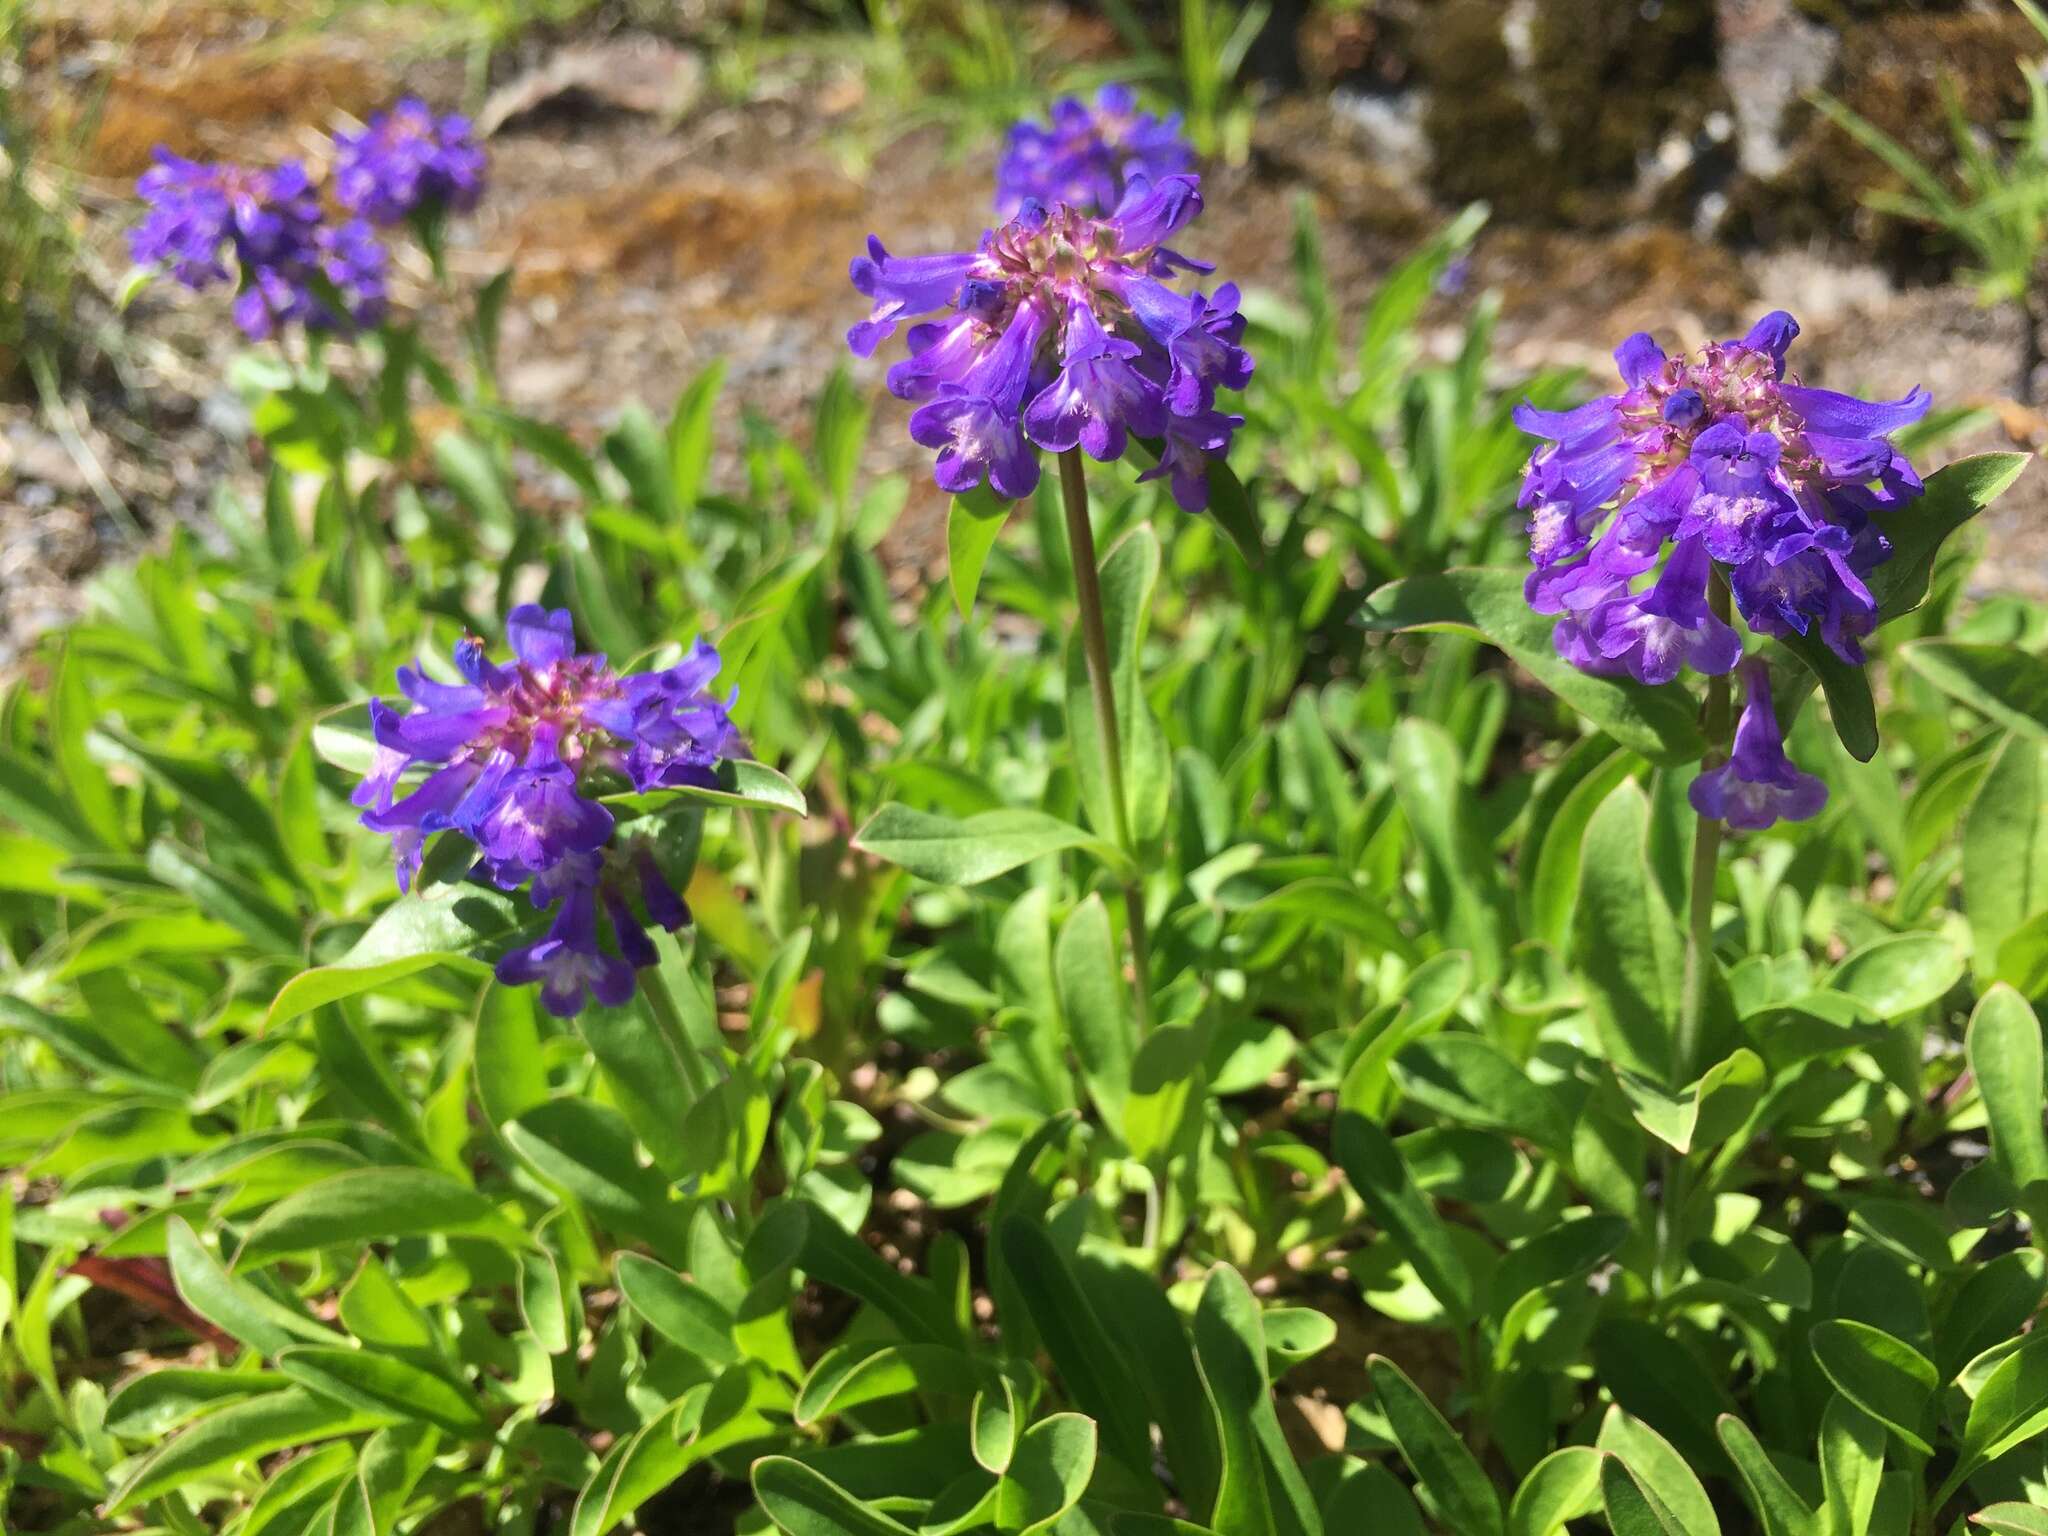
[
  {"x": 407, "y": 161},
  {"x": 1758, "y": 785},
  {"x": 1060, "y": 331},
  {"x": 209, "y": 223},
  {"x": 515, "y": 757},
  {"x": 1723, "y": 454},
  {"x": 1717, "y": 465},
  {"x": 1086, "y": 154}
]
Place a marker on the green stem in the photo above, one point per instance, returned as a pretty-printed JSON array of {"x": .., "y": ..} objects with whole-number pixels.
[
  {"x": 1706, "y": 860},
  {"x": 1095, "y": 644},
  {"x": 1699, "y": 961}
]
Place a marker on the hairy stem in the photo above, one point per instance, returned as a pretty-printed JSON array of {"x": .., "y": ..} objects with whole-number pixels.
[{"x": 1095, "y": 645}]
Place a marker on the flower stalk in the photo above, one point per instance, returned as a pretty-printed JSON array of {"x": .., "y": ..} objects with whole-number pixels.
[{"x": 1095, "y": 646}]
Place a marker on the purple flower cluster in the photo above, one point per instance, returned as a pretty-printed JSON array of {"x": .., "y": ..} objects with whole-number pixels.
[
  {"x": 407, "y": 161},
  {"x": 1758, "y": 785},
  {"x": 1086, "y": 155},
  {"x": 1722, "y": 467},
  {"x": 1060, "y": 332},
  {"x": 512, "y": 755},
  {"x": 293, "y": 266}
]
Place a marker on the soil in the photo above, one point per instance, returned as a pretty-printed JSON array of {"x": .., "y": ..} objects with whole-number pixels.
[{"x": 648, "y": 243}]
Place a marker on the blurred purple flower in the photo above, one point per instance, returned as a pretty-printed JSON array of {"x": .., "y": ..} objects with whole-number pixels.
[
  {"x": 1086, "y": 155},
  {"x": 508, "y": 758},
  {"x": 1758, "y": 786},
  {"x": 207, "y": 224},
  {"x": 1061, "y": 331},
  {"x": 1748, "y": 470},
  {"x": 408, "y": 161}
]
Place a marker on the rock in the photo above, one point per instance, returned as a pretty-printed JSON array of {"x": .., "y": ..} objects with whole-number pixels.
[
  {"x": 632, "y": 74},
  {"x": 1771, "y": 56}
]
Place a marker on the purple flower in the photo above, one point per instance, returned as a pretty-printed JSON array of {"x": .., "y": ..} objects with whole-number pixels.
[
  {"x": 208, "y": 224},
  {"x": 1758, "y": 786},
  {"x": 568, "y": 962},
  {"x": 1061, "y": 331},
  {"x": 1667, "y": 628},
  {"x": 407, "y": 161},
  {"x": 514, "y": 758},
  {"x": 1086, "y": 155},
  {"x": 1772, "y": 482}
]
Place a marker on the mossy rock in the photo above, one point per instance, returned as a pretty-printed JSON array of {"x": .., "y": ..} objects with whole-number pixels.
[
  {"x": 1558, "y": 135},
  {"x": 1891, "y": 71}
]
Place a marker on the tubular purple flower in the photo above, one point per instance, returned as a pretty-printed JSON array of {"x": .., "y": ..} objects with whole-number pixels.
[
  {"x": 206, "y": 224},
  {"x": 1062, "y": 332},
  {"x": 408, "y": 161},
  {"x": 1668, "y": 627},
  {"x": 1775, "y": 481},
  {"x": 1758, "y": 786},
  {"x": 1085, "y": 154},
  {"x": 568, "y": 963},
  {"x": 514, "y": 759}
]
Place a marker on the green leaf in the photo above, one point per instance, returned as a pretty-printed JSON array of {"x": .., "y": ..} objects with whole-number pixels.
[
  {"x": 807, "y": 1503},
  {"x": 1464, "y": 1495},
  {"x": 1851, "y": 1468},
  {"x": 373, "y": 1204},
  {"x": 2010, "y": 1409},
  {"x": 1373, "y": 1165},
  {"x": 1779, "y": 1508},
  {"x": 1054, "y": 1460},
  {"x": 644, "y": 461},
  {"x": 1232, "y": 1371},
  {"x": 150, "y": 1406},
  {"x": 1706, "y": 1113},
  {"x": 850, "y": 1376},
  {"x": 1661, "y": 1471},
  {"x": 2009, "y": 685},
  {"x": 462, "y": 927},
  {"x": 1562, "y": 1487},
  {"x": 742, "y": 782},
  {"x": 690, "y": 434},
  {"x": 1091, "y": 1367},
  {"x": 587, "y": 1149},
  {"x": 1885, "y": 1377},
  {"x": 1632, "y": 1509},
  {"x": 677, "y": 1308},
  {"x": 381, "y": 1384},
  {"x": 1470, "y": 1079},
  {"x": 1626, "y": 940},
  {"x": 212, "y": 791},
  {"x": 1658, "y": 722},
  {"x": 1463, "y": 875},
  {"x": 1563, "y": 1252},
  {"x": 241, "y": 1432},
  {"x": 2013, "y": 1519},
  {"x": 969, "y": 851},
  {"x": 1899, "y": 975},
  {"x": 1094, "y": 1002},
  {"x": 993, "y": 1424},
  {"x": 232, "y": 1305},
  {"x": 973, "y": 524},
  {"x": 2005, "y": 1052}
]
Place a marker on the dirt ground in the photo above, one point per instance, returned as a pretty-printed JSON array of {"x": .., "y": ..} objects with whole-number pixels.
[{"x": 655, "y": 226}]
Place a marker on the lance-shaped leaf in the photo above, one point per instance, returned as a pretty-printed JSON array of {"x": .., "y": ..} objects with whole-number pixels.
[
  {"x": 1464, "y": 1495},
  {"x": 968, "y": 851},
  {"x": 1660, "y": 723}
]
